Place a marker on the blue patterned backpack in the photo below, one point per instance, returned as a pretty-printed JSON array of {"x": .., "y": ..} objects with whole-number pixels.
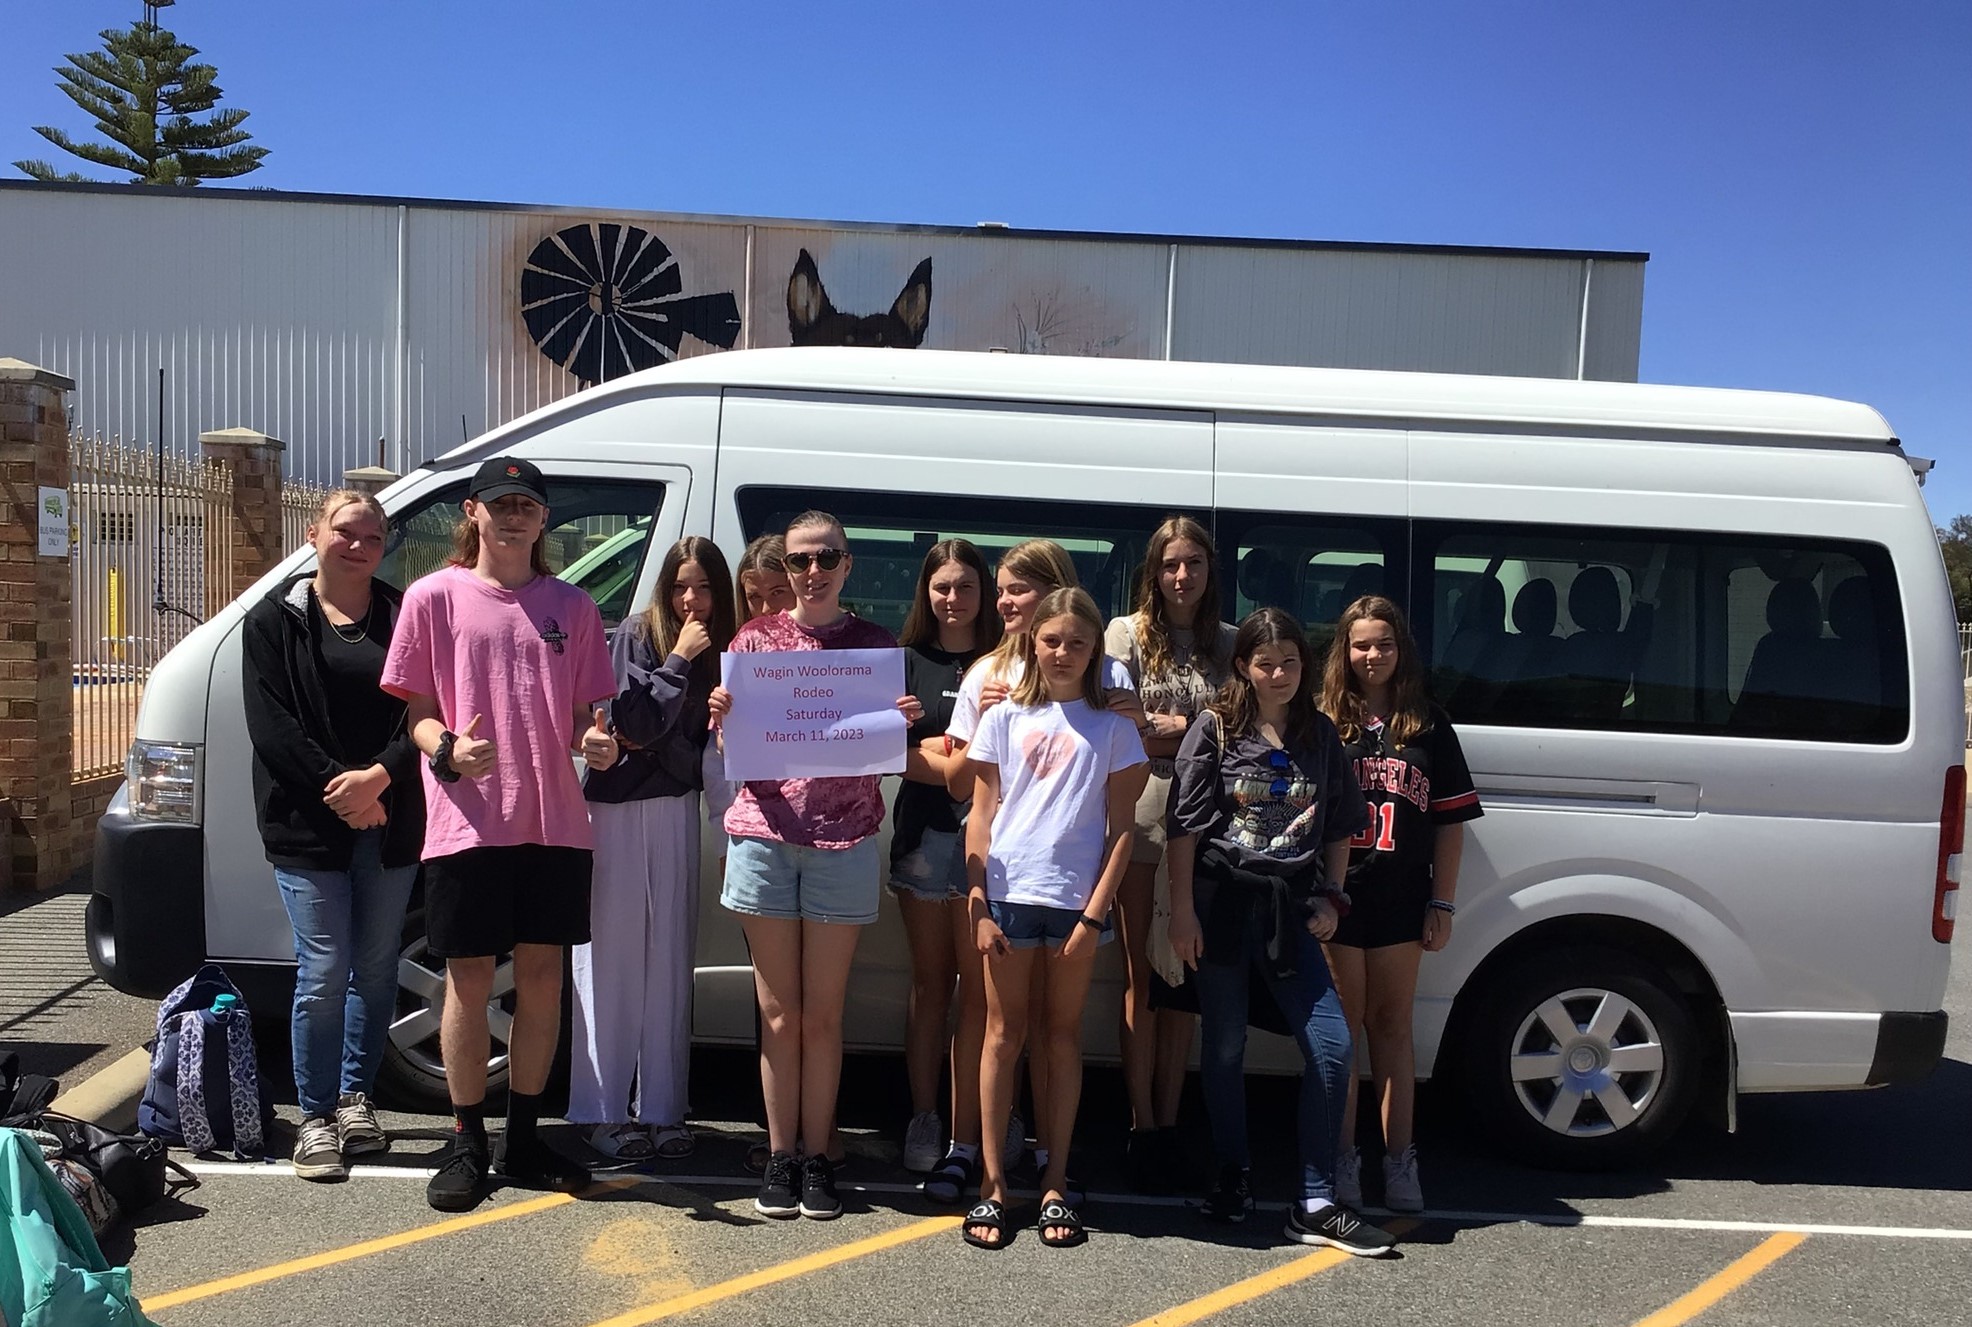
[{"x": 204, "y": 1090}]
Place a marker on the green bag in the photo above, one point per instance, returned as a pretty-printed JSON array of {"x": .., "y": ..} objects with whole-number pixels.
[{"x": 52, "y": 1273}]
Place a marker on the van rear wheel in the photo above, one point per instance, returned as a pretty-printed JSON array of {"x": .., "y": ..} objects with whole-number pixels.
[
  {"x": 413, "y": 1070},
  {"x": 1584, "y": 1060}
]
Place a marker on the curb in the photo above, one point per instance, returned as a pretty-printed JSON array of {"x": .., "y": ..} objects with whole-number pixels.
[{"x": 109, "y": 1096}]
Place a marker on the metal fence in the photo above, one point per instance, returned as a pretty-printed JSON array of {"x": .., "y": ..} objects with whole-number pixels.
[
  {"x": 1965, "y": 648},
  {"x": 299, "y": 503},
  {"x": 151, "y": 540}
]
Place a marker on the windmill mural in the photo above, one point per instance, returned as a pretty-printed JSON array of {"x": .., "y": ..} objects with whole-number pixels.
[{"x": 602, "y": 300}]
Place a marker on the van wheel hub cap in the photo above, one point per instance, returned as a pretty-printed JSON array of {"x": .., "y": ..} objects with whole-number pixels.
[{"x": 1586, "y": 1062}]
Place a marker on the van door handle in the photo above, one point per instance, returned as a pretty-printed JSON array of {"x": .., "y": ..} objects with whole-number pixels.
[{"x": 1549, "y": 792}]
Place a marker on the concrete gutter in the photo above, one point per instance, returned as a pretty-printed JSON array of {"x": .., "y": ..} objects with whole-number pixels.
[{"x": 109, "y": 1097}]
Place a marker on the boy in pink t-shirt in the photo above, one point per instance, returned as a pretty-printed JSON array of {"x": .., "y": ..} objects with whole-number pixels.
[{"x": 500, "y": 666}]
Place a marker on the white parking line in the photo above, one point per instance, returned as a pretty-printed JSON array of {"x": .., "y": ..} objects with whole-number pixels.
[{"x": 285, "y": 1170}]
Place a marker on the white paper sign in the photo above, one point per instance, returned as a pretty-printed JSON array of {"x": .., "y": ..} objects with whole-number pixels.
[
  {"x": 814, "y": 714},
  {"x": 54, "y": 522}
]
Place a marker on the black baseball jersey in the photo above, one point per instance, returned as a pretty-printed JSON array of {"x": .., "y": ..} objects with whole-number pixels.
[{"x": 1411, "y": 791}]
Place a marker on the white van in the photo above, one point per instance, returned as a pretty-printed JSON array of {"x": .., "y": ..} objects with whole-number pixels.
[{"x": 1699, "y": 644}]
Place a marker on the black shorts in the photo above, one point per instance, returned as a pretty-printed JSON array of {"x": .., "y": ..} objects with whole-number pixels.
[
  {"x": 1380, "y": 917},
  {"x": 484, "y": 901}
]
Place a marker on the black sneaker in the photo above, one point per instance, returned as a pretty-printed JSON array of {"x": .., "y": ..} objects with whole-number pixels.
[
  {"x": 537, "y": 1166},
  {"x": 1231, "y": 1199},
  {"x": 460, "y": 1183},
  {"x": 1339, "y": 1227},
  {"x": 317, "y": 1154},
  {"x": 1144, "y": 1161},
  {"x": 818, "y": 1198},
  {"x": 779, "y": 1184}
]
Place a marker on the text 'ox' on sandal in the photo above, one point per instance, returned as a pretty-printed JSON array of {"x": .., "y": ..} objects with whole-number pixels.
[
  {"x": 1061, "y": 1225},
  {"x": 993, "y": 1216}
]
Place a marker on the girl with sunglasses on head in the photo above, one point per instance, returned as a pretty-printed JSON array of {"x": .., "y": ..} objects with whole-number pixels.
[
  {"x": 1262, "y": 806},
  {"x": 1178, "y": 652},
  {"x": 947, "y": 629},
  {"x": 802, "y": 872},
  {"x": 1058, "y": 775},
  {"x": 1027, "y": 573},
  {"x": 1403, "y": 869},
  {"x": 631, "y": 1032}
]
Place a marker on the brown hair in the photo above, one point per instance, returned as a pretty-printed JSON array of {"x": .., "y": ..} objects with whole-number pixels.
[
  {"x": 1072, "y": 601},
  {"x": 336, "y": 499},
  {"x": 661, "y": 622},
  {"x": 1152, "y": 630},
  {"x": 920, "y": 628},
  {"x": 1342, "y": 694},
  {"x": 1238, "y": 709},
  {"x": 1040, "y": 560},
  {"x": 819, "y": 520},
  {"x": 465, "y": 547},
  {"x": 761, "y": 557}
]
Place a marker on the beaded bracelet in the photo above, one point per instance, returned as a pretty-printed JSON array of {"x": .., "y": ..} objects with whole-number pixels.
[{"x": 1443, "y": 905}]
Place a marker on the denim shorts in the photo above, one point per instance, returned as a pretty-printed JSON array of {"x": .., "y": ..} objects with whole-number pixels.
[
  {"x": 768, "y": 878},
  {"x": 1031, "y": 925},
  {"x": 933, "y": 871}
]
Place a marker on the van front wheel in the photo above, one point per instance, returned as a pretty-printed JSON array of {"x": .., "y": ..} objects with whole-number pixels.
[
  {"x": 1584, "y": 1060},
  {"x": 413, "y": 1070}
]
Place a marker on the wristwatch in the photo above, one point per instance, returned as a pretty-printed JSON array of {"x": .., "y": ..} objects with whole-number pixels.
[
  {"x": 1086, "y": 920},
  {"x": 441, "y": 759}
]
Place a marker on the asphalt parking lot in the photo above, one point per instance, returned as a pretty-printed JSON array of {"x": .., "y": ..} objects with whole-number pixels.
[{"x": 1825, "y": 1208}]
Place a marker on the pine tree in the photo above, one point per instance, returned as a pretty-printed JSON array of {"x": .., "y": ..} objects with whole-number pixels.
[{"x": 155, "y": 106}]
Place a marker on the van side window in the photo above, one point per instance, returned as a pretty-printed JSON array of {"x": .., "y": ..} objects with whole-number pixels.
[
  {"x": 598, "y": 537},
  {"x": 1544, "y": 627},
  {"x": 889, "y": 534},
  {"x": 1312, "y": 567}
]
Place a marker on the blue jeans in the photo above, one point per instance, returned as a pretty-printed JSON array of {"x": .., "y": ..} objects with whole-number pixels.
[
  {"x": 1311, "y": 1007},
  {"x": 348, "y": 929}
]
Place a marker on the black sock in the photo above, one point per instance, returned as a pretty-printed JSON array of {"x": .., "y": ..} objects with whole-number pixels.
[
  {"x": 522, "y": 1112},
  {"x": 469, "y": 1126}
]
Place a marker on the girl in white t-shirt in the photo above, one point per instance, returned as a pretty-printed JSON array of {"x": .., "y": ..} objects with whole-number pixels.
[
  {"x": 1027, "y": 573},
  {"x": 1057, "y": 779}
]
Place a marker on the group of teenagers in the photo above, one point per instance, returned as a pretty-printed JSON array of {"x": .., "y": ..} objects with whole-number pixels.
[{"x": 1273, "y": 835}]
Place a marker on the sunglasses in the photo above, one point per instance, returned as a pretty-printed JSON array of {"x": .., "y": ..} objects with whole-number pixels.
[{"x": 828, "y": 559}]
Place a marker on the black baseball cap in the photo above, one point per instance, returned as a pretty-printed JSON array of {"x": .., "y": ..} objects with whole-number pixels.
[{"x": 502, "y": 475}]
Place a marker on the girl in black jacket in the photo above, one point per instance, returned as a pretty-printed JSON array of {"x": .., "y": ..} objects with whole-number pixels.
[{"x": 341, "y": 810}]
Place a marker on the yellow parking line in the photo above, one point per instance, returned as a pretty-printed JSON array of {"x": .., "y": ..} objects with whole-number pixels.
[
  {"x": 1736, "y": 1274},
  {"x": 1253, "y": 1287},
  {"x": 314, "y": 1261},
  {"x": 766, "y": 1276}
]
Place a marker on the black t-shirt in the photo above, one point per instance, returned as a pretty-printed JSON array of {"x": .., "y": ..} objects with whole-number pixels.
[
  {"x": 1411, "y": 791},
  {"x": 932, "y": 675},
  {"x": 365, "y": 719}
]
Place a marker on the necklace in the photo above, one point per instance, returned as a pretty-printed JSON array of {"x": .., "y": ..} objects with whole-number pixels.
[{"x": 362, "y": 626}]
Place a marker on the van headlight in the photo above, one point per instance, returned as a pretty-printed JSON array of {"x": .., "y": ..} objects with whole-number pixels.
[{"x": 163, "y": 779}]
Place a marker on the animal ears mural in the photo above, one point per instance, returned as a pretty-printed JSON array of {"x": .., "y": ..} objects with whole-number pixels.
[
  {"x": 602, "y": 300},
  {"x": 813, "y": 321}
]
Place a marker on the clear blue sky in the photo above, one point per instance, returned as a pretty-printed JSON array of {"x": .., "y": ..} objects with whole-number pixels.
[{"x": 1800, "y": 171}]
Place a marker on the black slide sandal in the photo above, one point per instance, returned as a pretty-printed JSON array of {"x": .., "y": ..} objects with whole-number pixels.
[
  {"x": 992, "y": 1215},
  {"x": 949, "y": 1180},
  {"x": 1055, "y": 1213}
]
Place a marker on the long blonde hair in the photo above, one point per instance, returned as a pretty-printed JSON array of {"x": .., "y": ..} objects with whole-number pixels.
[
  {"x": 1342, "y": 694},
  {"x": 1072, "y": 601},
  {"x": 1043, "y": 562},
  {"x": 1153, "y": 630}
]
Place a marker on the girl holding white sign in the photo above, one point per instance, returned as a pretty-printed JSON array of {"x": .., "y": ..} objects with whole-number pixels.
[
  {"x": 803, "y": 874},
  {"x": 633, "y": 981},
  {"x": 1058, "y": 776}
]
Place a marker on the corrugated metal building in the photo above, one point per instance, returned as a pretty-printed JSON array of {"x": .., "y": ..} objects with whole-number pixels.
[{"x": 332, "y": 321}]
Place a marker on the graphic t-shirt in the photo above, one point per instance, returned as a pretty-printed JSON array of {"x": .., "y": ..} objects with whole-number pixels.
[
  {"x": 522, "y": 660},
  {"x": 1411, "y": 791},
  {"x": 816, "y": 813},
  {"x": 1270, "y": 809},
  {"x": 965, "y": 710},
  {"x": 933, "y": 676},
  {"x": 1054, "y": 761},
  {"x": 1185, "y": 686}
]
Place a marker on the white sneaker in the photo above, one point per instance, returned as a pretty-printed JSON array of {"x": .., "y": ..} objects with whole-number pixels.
[
  {"x": 924, "y": 1142},
  {"x": 1400, "y": 1188},
  {"x": 1016, "y": 1144},
  {"x": 1349, "y": 1177}
]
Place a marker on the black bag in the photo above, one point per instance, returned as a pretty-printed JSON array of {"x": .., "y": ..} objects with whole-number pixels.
[
  {"x": 136, "y": 1171},
  {"x": 23, "y": 1094}
]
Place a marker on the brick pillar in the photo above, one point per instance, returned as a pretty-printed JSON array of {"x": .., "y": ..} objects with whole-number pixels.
[
  {"x": 37, "y": 683},
  {"x": 254, "y": 461},
  {"x": 369, "y": 478}
]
